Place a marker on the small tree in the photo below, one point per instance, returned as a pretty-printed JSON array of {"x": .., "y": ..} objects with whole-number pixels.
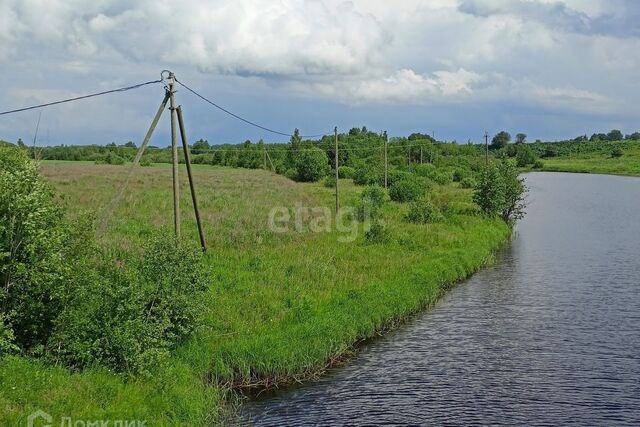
[
  {"x": 311, "y": 164},
  {"x": 201, "y": 144},
  {"x": 500, "y": 140},
  {"x": 489, "y": 191},
  {"x": 521, "y": 138},
  {"x": 500, "y": 191},
  {"x": 406, "y": 190},
  {"x": 525, "y": 156},
  {"x": 513, "y": 193},
  {"x": 615, "y": 135}
]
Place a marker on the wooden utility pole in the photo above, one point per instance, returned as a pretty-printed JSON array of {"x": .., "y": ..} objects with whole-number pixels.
[
  {"x": 174, "y": 155},
  {"x": 335, "y": 132},
  {"x": 192, "y": 186},
  {"x": 486, "y": 148},
  {"x": 386, "y": 165},
  {"x": 264, "y": 158},
  {"x": 421, "y": 154}
]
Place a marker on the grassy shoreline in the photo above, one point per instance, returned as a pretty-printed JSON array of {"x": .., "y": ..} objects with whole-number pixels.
[
  {"x": 600, "y": 162},
  {"x": 282, "y": 306}
]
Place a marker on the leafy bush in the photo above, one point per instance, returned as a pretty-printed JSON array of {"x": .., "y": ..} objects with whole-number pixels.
[
  {"x": 406, "y": 190},
  {"x": 378, "y": 233},
  {"x": 129, "y": 317},
  {"x": 146, "y": 162},
  {"x": 426, "y": 170},
  {"x": 442, "y": 177},
  {"x": 329, "y": 181},
  {"x": 617, "y": 153},
  {"x": 292, "y": 174},
  {"x": 65, "y": 298},
  {"x": 110, "y": 159},
  {"x": 500, "y": 191},
  {"x": 489, "y": 192},
  {"x": 34, "y": 251},
  {"x": 311, "y": 164},
  {"x": 460, "y": 174},
  {"x": 371, "y": 201},
  {"x": 525, "y": 156},
  {"x": 346, "y": 172},
  {"x": 422, "y": 211},
  {"x": 550, "y": 151},
  {"x": 396, "y": 175},
  {"x": 539, "y": 164},
  {"x": 468, "y": 182},
  {"x": 368, "y": 176}
]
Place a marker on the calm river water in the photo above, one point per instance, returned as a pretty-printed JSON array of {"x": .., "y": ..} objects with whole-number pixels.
[{"x": 549, "y": 335}]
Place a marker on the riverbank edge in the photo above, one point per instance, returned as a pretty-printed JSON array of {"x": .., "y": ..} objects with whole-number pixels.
[
  {"x": 242, "y": 390},
  {"x": 582, "y": 170}
]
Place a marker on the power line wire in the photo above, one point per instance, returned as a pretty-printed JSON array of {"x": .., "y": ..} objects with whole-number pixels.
[
  {"x": 62, "y": 101},
  {"x": 243, "y": 119}
]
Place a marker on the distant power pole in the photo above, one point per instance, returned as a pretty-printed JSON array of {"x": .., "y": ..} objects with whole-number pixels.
[
  {"x": 335, "y": 132},
  {"x": 386, "y": 163},
  {"x": 486, "y": 148}
]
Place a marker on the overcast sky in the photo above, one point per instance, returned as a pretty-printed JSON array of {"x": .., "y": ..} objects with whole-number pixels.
[{"x": 550, "y": 69}]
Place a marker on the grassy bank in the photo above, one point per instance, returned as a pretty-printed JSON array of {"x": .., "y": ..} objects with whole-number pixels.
[
  {"x": 281, "y": 305},
  {"x": 599, "y": 161}
]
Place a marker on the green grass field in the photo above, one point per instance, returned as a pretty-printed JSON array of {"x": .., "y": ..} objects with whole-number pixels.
[
  {"x": 282, "y": 306},
  {"x": 597, "y": 162}
]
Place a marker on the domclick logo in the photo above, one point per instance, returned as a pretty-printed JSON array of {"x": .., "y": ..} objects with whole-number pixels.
[{"x": 39, "y": 419}]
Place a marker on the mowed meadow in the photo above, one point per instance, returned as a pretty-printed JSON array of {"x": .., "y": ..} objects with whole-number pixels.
[{"x": 281, "y": 305}]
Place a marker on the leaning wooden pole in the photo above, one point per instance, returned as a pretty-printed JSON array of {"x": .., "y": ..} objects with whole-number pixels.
[
  {"x": 174, "y": 155},
  {"x": 335, "y": 132},
  {"x": 192, "y": 185}
]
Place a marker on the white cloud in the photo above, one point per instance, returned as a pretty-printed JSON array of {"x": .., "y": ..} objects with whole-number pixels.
[
  {"x": 403, "y": 86},
  {"x": 570, "y": 55}
]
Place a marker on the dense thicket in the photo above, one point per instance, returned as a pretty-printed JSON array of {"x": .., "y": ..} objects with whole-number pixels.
[{"x": 65, "y": 298}]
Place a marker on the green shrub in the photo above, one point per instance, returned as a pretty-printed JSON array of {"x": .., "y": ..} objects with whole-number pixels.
[
  {"x": 396, "y": 175},
  {"x": 406, "y": 190},
  {"x": 65, "y": 299},
  {"x": 368, "y": 176},
  {"x": 460, "y": 174},
  {"x": 110, "y": 158},
  {"x": 378, "y": 233},
  {"x": 468, "y": 182},
  {"x": 442, "y": 177},
  {"x": 539, "y": 164},
  {"x": 292, "y": 174},
  {"x": 35, "y": 252},
  {"x": 422, "y": 211},
  {"x": 146, "y": 162},
  {"x": 311, "y": 164},
  {"x": 500, "y": 191},
  {"x": 425, "y": 170},
  {"x": 525, "y": 156},
  {"x": 371, "y": 201},
  {"x": 128, "y": 316},
  {"x": 550, "y": 151},
  {"x": 346, "y": 172},
  {"x": 329, "y": 181},
  {"x": 617, "y": 153}
]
